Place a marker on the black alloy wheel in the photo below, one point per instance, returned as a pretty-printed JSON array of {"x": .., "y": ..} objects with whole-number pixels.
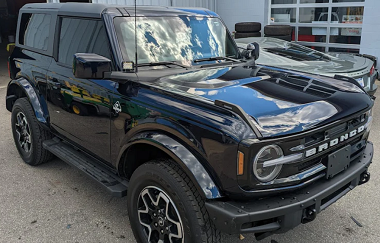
[
  {"x": 159, "y": 216},
  {"x": 22, "y": 129}
]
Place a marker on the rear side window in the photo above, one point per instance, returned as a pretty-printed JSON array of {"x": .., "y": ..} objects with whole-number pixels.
[
  {"x": 34, "y": 30},
  {"x": 82, "y": 36}
]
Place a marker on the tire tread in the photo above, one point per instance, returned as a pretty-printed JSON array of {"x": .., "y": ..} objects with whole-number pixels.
[
  {"x": 208, "y": 234},
  {"x": 41, "y": 154}
]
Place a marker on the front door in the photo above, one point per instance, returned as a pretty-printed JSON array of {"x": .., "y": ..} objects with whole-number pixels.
[{"x": 80, "y": 108}]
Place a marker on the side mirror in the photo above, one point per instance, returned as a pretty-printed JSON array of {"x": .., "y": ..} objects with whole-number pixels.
[
  {"x": 90, "y": 65},
  {"x": 254, "y": 50}
]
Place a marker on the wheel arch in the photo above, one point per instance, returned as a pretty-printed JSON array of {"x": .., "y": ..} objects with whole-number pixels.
[
  {"x": 163, "y": 146},
  {"x": 21, "y": 87}
]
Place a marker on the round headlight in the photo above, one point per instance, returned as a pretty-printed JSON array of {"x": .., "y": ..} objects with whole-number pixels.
[{"x": 269, "y": 152}]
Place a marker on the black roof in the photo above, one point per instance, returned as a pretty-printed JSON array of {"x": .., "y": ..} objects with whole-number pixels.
[{"x": 95, "y": 9}]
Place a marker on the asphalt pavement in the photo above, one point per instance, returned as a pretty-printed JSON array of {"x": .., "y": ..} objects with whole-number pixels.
[{"x": 54, "y": 202}]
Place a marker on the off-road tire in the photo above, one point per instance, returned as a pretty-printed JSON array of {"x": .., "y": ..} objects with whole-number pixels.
[
  {"x": 170, "y": 178},
  {"x": 37, "y": 154},
  {"x": 245, "y": 35},
  {"x": 247, "y": 27},
  {"x": 277, "y": 30}
]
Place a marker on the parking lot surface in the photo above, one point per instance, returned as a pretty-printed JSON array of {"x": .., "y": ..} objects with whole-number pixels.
[{"x": 54, "y": 202}]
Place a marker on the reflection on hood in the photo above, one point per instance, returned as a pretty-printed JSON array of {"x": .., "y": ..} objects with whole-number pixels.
[
  {"x": 281, "y": 102},
  {"x": 301, "y": 117}
]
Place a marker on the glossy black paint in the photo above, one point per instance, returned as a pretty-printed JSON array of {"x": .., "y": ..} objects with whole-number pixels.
[
  {"x": 30, "y": 81},
  {"x": 189, "y": 163},
  {"x": 88, "y": 127},
  {"x": 280, "y": 101},
  {"x": 90, "y": 65},
  {"x": 36, "y": 101},
  {"x": 173, "y": 108}
]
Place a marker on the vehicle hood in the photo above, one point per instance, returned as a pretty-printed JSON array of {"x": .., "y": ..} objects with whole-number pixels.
[
  {"x": 331, "y": 64},
  {"x": 280, "y": 102}
]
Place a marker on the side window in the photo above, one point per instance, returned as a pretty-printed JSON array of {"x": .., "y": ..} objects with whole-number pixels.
[
  {"x": 82, "y": 36},
  {"x": 34, "y": 30}
]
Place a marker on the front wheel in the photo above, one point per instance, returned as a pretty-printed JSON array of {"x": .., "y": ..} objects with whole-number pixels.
[{"x": 165, "y": 207}]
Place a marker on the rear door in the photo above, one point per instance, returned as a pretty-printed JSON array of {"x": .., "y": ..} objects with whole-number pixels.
[{"x": 80, "y": 108}]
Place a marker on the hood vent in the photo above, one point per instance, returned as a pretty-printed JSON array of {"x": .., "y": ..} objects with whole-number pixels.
[{"x": 306, "y": 85}]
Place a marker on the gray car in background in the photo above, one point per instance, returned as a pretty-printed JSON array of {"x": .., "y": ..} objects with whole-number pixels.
[{"x": 289, "y": 55}]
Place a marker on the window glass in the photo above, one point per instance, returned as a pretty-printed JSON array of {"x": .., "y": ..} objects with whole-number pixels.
[
  {"x": 312, "y": 34},
  {"x": 313, "y": 15},
  {"x": 314, "y": 1},
  {"x": 346, "y": 36},
  {"x": 347, "y": 15},
  {"x": 348, "y": 50},
  {"x": 34, "y": 30},
  {"x": 283, "y": 15},
  {"x": 82, "y": 36},
  {"x": 346, "y": 1},
  {"x": 293, "y": 50},
  {"x": 284, "y": 1}
]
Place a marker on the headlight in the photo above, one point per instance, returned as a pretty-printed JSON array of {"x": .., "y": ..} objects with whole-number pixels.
[{"x": 268, "y": 173}]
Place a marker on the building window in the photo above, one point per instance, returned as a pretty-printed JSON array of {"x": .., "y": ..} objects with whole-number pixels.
[
  {"x": 34, "y": 30},
  {"x": 330, "y": 25}
]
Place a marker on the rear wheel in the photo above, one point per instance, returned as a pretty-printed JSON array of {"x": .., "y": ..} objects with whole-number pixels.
[
  {"x": 165, "y": 207},
  {"x": 28, "y": 134}
]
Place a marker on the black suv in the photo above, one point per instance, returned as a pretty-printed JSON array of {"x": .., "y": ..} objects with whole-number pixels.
[{"x": 160, "y": 102}]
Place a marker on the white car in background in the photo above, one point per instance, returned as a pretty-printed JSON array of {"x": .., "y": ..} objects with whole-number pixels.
[{"x": 289, "y": 55}]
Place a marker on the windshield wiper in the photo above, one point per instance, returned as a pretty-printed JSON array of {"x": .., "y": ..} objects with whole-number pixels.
[
  {"x": 150, "y": 64},
  {"x": 215, "y": 59}
]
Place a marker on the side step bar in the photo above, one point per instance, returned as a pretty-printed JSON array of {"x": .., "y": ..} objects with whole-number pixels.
[{"x": 112, "y": 182}]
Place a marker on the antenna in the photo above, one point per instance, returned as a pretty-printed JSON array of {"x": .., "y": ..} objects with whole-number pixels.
[{"x": 136, "y": 70}]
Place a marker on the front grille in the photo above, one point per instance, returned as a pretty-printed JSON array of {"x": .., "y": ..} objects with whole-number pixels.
[{"x": 307, "y": 164}]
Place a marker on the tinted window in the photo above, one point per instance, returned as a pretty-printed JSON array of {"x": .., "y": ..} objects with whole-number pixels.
[
  {"x": 82, "y": 36},
  {"x": 34, "y": 30}
]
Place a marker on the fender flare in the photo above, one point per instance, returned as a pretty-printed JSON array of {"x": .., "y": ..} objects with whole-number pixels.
[
  {"x": 40, "y": 110},
  {"x": 182, "y": 156}
]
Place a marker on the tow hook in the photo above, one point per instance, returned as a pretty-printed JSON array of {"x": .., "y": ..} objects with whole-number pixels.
[
  {"x": 309, "y": 214},
  {"x": 364, "y": 177}
]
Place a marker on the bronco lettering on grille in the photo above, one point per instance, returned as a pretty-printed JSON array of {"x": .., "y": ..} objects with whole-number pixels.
[{"x": 334, "y": 141}]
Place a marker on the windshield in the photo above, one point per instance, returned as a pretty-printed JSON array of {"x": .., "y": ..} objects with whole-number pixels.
[
  {"x": 174, "y": 39},
  {"x": 296, "y": 52}
]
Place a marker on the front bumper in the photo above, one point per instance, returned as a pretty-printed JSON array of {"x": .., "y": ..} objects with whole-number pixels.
[{"x": 282, "y": 213}]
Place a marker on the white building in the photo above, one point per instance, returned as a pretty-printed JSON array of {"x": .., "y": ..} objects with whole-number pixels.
[{"x": 325, "y": 25}]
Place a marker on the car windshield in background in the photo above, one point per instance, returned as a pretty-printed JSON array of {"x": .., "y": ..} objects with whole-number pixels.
[
  {"x": 297, "y": 52},
  {"x": 181, "y": 39}
]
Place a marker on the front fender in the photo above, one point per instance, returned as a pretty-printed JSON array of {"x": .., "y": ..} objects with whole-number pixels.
[
  {"x": 38, "y": 103},
  {"x": 185, "y": 158}
]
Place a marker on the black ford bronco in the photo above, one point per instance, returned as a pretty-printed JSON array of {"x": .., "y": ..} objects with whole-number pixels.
[{"x": 161, "y": 103}]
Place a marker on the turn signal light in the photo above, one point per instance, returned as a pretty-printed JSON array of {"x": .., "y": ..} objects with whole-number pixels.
[
  {"x": 372, "y": 70},
  {"x": 240, "y": 163}
]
